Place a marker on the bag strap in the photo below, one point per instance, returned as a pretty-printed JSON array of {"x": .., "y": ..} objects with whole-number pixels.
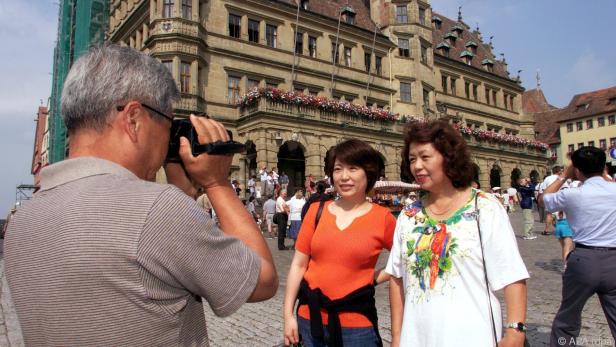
[
  {"x": 485, "y": 271},
  {"x": 319, "y": 212}
]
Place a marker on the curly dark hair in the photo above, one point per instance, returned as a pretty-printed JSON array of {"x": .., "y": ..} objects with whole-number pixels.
[
  {"x": 457, "y": 164},
  {"x": 355, "y": 152}
]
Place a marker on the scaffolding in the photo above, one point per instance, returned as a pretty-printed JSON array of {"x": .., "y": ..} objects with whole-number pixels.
[
  {"x": 81, "y": 24},
  {"x": 23, "y": 193}
]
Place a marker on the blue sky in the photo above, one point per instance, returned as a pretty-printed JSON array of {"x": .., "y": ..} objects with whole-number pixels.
[{"x": 569, "y": 41}]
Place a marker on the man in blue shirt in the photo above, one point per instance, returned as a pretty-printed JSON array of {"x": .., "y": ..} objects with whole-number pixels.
[
  {"x": 527, "y": 191},
  {"x": 591, "y": 266}
]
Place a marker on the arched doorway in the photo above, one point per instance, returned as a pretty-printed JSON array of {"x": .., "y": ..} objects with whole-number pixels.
[
  {"x": 382, "y": 166},
  {"x": 534, "y": 176},
  {"x": 251, "y": 158},
  {"x": 495, "y": 176},
  {"x": 291, "y": 161},
  {"x": 516, "y": 174}
]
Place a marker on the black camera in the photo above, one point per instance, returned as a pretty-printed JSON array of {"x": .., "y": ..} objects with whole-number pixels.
[{"x": 183, "y": 127}]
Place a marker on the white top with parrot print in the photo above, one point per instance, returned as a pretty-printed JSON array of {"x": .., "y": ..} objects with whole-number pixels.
[{"x": 440, "y": 262}]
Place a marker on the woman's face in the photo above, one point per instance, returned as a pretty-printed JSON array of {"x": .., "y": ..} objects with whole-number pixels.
[
  {"x": 426, "y": 164},
  {"x": 349, "y": 180}
]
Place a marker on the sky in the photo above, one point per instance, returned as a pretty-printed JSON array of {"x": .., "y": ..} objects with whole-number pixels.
[{"x": 568, "y": 41}]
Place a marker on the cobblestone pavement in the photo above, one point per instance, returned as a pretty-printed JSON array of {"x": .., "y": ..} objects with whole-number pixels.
[{"x": 260, "y": 324}]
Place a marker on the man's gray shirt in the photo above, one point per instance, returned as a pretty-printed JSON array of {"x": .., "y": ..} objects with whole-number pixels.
[
  {"x": 590, "y": 210},
  {"x": 100, "y": 257}
]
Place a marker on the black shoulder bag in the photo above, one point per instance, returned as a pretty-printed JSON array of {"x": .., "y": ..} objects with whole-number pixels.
[{"x": 485, "y": 273}]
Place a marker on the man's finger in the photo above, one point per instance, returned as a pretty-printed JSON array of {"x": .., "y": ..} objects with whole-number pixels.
[
  {"x": 186, "y": 151},
  {"x": 205, "y": 133},
  {"x": 222, "y": 132}
]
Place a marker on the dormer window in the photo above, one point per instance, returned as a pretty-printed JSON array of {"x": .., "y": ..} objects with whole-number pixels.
[
  {"x": 458, "y": 29},
  {"x": 443, "y": 47},
  {"x": 451, "y": 39},
  {"x": 581, "y": 107},
  {"x": 304, "y": 4},
  {"x": 348, "y": 15},
  {"x": 437, "y": 22},
  {"x": 612, "y": 101},
  {"x": 472, "y": 46},
  {"x": 488, "y": 65},
  {"x": 467, "y": 57}
]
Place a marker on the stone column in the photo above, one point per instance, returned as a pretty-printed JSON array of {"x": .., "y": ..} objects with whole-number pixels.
[
  {"x": 175, "y": 70},
  {"x": 138, "y": 40},
  {"x": 314, "y": 159},
  {"x": 194, "y": 77},
  {"x": 195, "y": 10},
  {"x": 177, "y": 8},
  {"x": 146, "y": 33}
]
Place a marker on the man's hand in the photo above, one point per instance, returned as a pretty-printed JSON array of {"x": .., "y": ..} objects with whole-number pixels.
[
  {"x": 207, "y": 170},
  {"x": 176, "y": 175},
  {"x": 570, "y": 172},
  {"x": 512, "y": 338}
]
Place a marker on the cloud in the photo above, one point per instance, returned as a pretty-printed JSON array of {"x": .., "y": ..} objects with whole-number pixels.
[{"x": 591, "y": 71}]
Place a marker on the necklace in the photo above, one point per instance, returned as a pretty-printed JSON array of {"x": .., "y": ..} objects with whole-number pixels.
[{"x": 452, "y": 205}]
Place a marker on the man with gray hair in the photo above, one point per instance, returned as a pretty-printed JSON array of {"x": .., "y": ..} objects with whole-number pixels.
[{"x": 105, "y": 256}]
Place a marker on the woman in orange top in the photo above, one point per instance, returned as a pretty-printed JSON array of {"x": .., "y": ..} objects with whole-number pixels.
[{"x": 336, "y": 251}]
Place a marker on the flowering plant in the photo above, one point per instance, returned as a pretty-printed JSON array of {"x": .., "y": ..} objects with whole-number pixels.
[
  {"x": 485, "y": 135},
  {"x": 322, "y": 103}
]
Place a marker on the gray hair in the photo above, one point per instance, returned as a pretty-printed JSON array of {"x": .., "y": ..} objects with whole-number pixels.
[{"x": 109, "y": 76}]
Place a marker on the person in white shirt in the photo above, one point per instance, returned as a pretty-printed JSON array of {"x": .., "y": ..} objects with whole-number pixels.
[
  {"x": 513, "y": 198},
  {"x": 549, "y": 217},
  {"x": 296, "y": 204},
  {"x": 281, "y": 218},
  {"x": 252, "y": 185},
  {"x": 263, "y": 176}
]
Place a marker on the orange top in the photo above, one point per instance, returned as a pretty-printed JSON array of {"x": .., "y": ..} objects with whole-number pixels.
[{"x": 342, "y": 261}]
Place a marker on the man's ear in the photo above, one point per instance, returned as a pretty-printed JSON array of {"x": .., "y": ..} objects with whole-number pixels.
[{"x": 130, "y": 119}]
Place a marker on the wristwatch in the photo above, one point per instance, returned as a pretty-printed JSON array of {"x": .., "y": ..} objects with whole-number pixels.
[{"x": 519, "y": 326}]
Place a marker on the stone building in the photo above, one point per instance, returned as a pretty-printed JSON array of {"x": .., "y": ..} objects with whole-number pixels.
[
  {"x": 352, "y": 68},
  {"x": 40, "y": 155}
]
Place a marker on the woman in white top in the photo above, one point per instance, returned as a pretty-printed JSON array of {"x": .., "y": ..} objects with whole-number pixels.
[
  {"x": 295, "y": 214},
  {"x": 438, "y": 289}
]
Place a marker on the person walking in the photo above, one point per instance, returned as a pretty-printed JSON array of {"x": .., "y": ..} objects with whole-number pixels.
[
  {"x": 281, "y": 219},
  {"x": 527, "y": 193},
  {"x": 452, "y": 249},
  {"x": 104, "y": 256},
  {"x": 284, "y": 181},
  {"x": 318, "y": 196},
  {"x": 296, "y": 204},
  {"x": 269, "y": 210},
  {"x": 252, "y": 185},
  {"x": 550, "y": 218},
  {"x": 333, "y": 269},
  {"x": 591, "y": 266}
]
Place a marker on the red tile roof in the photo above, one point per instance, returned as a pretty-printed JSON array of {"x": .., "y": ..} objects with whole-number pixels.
[
  {"x": 331, "y": 8},
  {"x": 547, "y": 127},
  {"x": 534, "y": 101},
  {"x": 482, "y": 53},
  {"x": 592, "y": 103}
]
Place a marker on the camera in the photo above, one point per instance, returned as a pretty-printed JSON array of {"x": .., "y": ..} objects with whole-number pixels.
[{"x": 183, "y": 127}]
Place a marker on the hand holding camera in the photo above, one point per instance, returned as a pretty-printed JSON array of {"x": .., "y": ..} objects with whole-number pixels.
[{"x": 205, "y": 148}]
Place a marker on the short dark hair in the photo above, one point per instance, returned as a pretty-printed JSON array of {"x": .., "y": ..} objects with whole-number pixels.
[
  {"x": 589, "y": 160},
  {"x": 355, "y": 152},
  {"x": 251, "y": 198},
  {"x": 556, "y": 169},
  {"x": 457, "y": 164},
  {"x": 321, "y": 186}
]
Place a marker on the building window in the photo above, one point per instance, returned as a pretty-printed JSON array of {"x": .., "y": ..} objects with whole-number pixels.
[
  {"x": 487, "y": 96},
  {"x": 569, "y": 127},
  {"x": 184, "y": 77},
  {"x": 402, "y": 16},
  {"x": 187, "y": 9},
  {"x": 444, "y": 84},
  {"x": 494, "y": 97},
  {"x": 579, "y": 126},
  {"x": 312, "y": 46},
  {"x": 424, "y": 54},
  {"x": 299, "y": 90},
  {"x": 422, "y": 16},
  {"x": 299, "y": 42},
  {"x": 505, "y": 103},
  {"x": 426, "y": 98},
  {"x": 571, "y": 148},
  {"x": 589, "y": 124},
  {"x": 405, "y": 92},
  {"x": 168, "y": 8},
  {"x": 511, "y": 97},
  {"x": 271, "y": 35},
  {"x": 580, "y": 145},
  {"x": 349, "y": 18},
  {"x": 475, "y": 96},
  {"x": 347, "y": 56},
  {"x": 603, "y": 144},
  {"x": 233, "y": 89},
  {"x": 591, "y": 143},
  {"x": 611, "y": 120},
  {"x": 453, "y": 86},
  {"x": 271, "y": 85},
  {"x": 313, "y": 92},
  {"x": 253, "y": 31},
  {"x": 252, "y": 84},
  {"x": 378, "y": 64},
  {"x": 403, "y": 48},
  {"x": 169, "y": 65},
  {"x": 445, "y": 51},
  {"x": 467, "y": 91},
  {"x": 234, "y": 26},
  {"x": 335, "y": 53},
  {"x": 601, "y": 121},
  {"x": 304, "y": 4},
  {"x": 367, "y": 61}
]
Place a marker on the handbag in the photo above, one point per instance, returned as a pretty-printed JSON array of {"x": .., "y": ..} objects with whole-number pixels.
[{"x": 485, "y": 274}]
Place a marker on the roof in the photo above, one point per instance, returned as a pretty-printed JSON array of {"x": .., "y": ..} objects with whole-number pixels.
[
  {"x": 455, "y": 52},
  {"x": 331, "y": 9},
  {"x": 547, "y": 127},
  {"x": 591, "y": 103},
  {"x": 534, "y": 101}
]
